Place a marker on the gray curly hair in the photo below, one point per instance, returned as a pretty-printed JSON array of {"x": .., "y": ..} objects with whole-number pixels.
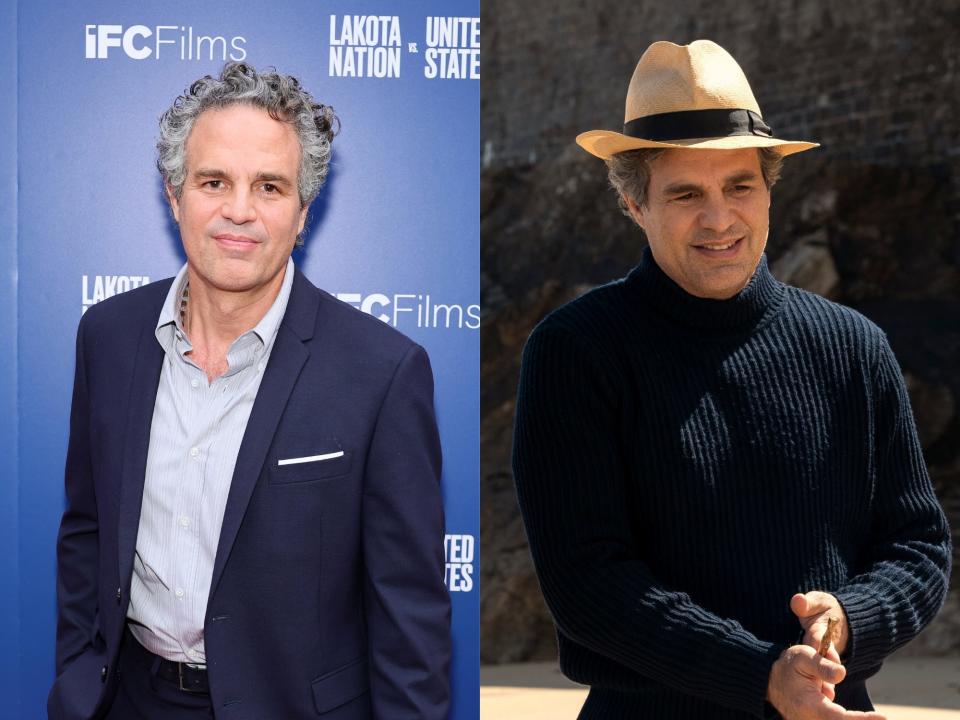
[
  {"x": 280, "y": 95},
  {"x": 629, "y": 172}
]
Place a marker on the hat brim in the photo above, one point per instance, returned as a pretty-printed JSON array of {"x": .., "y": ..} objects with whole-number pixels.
[{"x": 604, "y": 143}]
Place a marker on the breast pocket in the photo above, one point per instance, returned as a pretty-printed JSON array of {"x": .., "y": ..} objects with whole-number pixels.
[
  {"x": 326, "y": 459},
  {"x": 337, "y": 688}
]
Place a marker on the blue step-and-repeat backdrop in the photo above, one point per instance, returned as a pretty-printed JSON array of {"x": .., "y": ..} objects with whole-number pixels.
[{"x": 394, "y": 232}]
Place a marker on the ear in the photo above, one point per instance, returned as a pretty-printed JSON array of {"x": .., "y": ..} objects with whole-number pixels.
[
  {"x": 174, "y": 202},
  {"x": 636, "y": 212},
  {"x": 303, "y": 218}
]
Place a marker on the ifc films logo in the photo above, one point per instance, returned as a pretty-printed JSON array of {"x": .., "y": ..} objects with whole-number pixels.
[
  {"x": 139, "y": 42},
  {"x": 403, "y": 310}
]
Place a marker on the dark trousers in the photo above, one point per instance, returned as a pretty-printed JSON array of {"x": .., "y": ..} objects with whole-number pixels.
[{"x": 144, "y": 696}]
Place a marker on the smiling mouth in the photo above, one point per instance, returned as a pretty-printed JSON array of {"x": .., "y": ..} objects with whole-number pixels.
[{"x": 718, "y": 247}]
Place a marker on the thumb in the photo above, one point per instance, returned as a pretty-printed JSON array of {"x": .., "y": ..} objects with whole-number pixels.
[
  {"x": 799, "y": 605},
  {"x": 811, "y": 603}
]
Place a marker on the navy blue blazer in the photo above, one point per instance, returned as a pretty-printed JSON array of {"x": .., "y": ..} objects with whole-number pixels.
[{"x": 328, "y": 597}]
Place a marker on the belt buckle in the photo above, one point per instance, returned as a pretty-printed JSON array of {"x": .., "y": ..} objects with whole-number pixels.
[{"x": 180, "y": 679}]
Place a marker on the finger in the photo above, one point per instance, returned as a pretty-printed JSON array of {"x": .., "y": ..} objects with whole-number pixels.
[
  {"x": 812, "y": 638},
  {"x": 813, "y": 633},
  {"x": 815, "y": 627},
  {"x": 830, "y": 672},
  {"x": 829, "y": 690},
  {"x": 829, "y": 710}
]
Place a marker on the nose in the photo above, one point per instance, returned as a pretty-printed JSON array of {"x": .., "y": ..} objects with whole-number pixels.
[
  {"x": 239, "y": 207},
  {"x": 716, "y": 213}
]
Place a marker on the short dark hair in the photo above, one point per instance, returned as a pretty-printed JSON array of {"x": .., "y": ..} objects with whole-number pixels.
[{"x": 629, "y": 172}]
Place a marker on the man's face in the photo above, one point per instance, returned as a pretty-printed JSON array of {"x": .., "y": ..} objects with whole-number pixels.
[
  {"x": 239, "y": 212},
  {"x": 706, "y": 218}
]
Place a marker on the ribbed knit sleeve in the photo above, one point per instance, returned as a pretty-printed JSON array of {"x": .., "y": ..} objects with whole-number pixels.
[
  {"x": 569, "y": 466},
  {"x": 902, "y": 578}
]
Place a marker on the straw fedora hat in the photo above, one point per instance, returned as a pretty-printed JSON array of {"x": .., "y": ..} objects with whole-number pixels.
[{"x": 689, "y": 96}]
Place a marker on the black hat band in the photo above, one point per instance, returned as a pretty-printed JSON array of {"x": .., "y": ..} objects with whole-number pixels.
[{"x": 689, "y": 124}]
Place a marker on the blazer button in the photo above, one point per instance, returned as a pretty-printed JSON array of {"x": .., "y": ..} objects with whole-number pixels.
[
  {"x": 103, "y": 674},
  {"x": 119, "y": 595}
]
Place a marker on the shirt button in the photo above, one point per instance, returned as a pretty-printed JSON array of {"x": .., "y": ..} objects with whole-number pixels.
[
  {"x": 184, "y": 521},
  {"x": 194, "y": 452},
  {"x": 260, "y": 367},
  {"x": 194, "y": 383},
  {"x": 179, "y": 592}
]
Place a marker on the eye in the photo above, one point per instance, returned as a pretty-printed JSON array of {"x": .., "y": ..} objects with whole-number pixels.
[
  {"x": 270, "y": 188},
  {"x": 742, "y": 189},
  {"x": 686, "y": 197},
  {"x": 213, "y": 184}
]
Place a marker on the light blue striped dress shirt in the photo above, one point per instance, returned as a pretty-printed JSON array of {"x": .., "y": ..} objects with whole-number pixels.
[{"x": 194, "y": 439}]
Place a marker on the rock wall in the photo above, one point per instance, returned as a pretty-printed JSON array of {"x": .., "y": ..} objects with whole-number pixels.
[{"x": 871, "y": 219}]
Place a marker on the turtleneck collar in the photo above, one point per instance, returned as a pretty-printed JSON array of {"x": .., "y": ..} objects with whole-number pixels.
[{"x": 761, "y": 296}]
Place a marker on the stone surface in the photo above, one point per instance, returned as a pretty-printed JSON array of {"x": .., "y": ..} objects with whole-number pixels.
[
  {"x": 808, "y": 264},
  {"x": 870, "y": 219}
]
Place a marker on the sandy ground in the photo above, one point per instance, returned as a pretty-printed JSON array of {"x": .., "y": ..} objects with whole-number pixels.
[{"x": 908, "y": 688}]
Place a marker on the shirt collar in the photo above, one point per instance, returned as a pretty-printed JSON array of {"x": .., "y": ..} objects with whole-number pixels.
[
  {"x": 266, "y": 329},
  {"x": 168, "y": 324}
]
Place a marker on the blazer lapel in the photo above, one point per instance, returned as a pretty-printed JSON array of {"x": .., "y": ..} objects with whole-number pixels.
[
  {"x": 286, "y": 361},
  {"x": 143, "y": 394}
]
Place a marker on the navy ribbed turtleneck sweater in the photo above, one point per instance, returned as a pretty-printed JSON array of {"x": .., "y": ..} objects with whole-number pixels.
[{"x": 684, "y": 466}]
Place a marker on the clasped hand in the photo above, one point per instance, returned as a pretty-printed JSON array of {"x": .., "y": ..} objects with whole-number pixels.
[{"x": 802, "y": 684}]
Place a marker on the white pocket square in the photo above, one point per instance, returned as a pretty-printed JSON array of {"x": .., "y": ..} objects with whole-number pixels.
[{"x": 310, "y": 458}]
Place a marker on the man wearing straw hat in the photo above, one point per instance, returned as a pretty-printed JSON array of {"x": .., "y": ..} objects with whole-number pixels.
[{"x": 714, "y": 468}]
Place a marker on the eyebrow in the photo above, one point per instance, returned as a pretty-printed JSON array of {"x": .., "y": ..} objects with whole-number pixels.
[
  {"x": 260, "y": 176},
  {"x": 273, "y": 177},
  {"x": 208, "y": 173},
  {"x": 745, "y": 176},
  {"x": 682, "y": 188}
]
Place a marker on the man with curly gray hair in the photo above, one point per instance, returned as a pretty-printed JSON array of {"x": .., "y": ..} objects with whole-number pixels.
[
  {"x": 254, "y": 525},
  {"x": 280, "y": 95}
]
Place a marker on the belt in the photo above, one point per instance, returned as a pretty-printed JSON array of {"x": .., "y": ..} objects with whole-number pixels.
[{"x": 186, "y": 676}]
